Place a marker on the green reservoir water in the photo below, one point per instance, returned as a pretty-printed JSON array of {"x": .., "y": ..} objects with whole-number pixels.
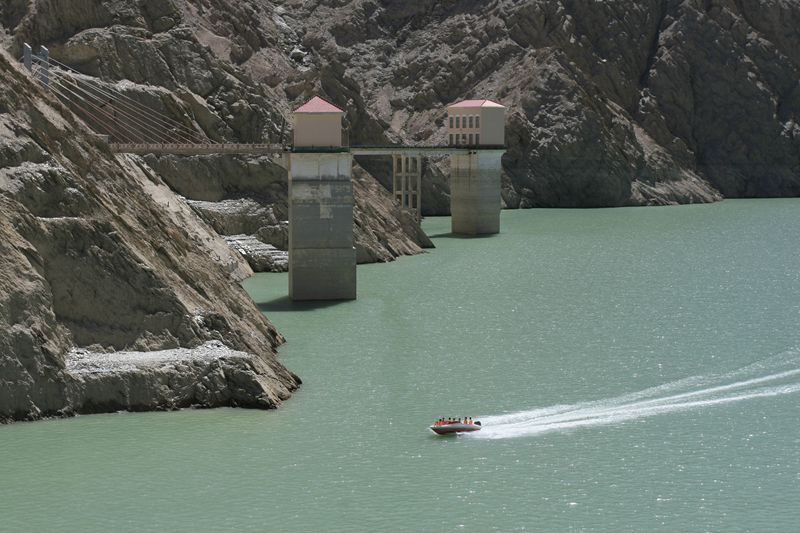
[{"x": 635, "y": 369}]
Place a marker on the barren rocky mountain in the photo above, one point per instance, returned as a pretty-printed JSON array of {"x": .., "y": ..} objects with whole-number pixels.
[
  {"x": 97, "y": 253},
  {"x": 610, "y": 103}
]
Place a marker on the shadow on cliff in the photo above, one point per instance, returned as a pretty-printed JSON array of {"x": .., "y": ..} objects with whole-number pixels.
[{"x": 284, "y": 303}]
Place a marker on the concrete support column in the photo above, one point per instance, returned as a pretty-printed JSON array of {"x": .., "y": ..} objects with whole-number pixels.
[
  {"x": 322, "y": 259},
  {"x": 27, "y": 56},
  {"x": 418, "y": 207},
  {"x": 475, "y": 192},
  {"x": 44, "y": 70},
  {"x": 397, "y": 179},
  {"x": 404, "y": 181},
  {"x": 394, "y": 176}
]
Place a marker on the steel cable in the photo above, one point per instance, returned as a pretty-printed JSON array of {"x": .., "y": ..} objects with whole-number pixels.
[{"x": 154, "y": 116}]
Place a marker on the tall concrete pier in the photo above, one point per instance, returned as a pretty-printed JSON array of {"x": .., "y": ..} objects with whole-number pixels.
[
  {"x": 322, "y": 259},
  {"x": 475, "y": 177}
]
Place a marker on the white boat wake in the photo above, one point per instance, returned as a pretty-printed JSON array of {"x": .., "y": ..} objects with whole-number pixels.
[{"x": 775, "y": 376}]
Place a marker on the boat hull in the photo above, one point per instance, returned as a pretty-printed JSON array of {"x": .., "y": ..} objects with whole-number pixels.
[{"x": 448, "y": 429}]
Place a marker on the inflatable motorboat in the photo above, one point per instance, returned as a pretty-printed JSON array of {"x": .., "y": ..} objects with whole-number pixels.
[{"x": 455, "y": 427}]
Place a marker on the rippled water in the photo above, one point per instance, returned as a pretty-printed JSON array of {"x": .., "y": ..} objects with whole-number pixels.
[{"x": 635, "y": 369}]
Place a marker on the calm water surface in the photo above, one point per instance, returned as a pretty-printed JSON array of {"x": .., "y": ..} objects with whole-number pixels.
[{"x": 636, "y": 369}]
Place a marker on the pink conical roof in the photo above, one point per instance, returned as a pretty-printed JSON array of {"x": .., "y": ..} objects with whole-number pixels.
[
  {"x": 476, "y": 103},
  {"x": 318, "y": 105}
]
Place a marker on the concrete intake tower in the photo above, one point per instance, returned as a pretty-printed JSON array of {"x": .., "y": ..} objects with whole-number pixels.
[
  {"x": 322, "y": 259},
  {"x": 475, "y": 177}
]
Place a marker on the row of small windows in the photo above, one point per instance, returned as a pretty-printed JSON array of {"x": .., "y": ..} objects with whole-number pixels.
[
  {"x": 465, "y": 122},
  {"x": 468, "y": 139}
]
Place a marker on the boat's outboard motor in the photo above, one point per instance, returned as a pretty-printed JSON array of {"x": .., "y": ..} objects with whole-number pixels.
[{"x": 477, "y": 423}]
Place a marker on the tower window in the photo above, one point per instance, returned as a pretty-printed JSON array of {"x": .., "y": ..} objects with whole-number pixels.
[
  {"x": 451, "y": 121},
  {"x": 478, "y": 121},
  {"x": 470, "y": 138},
  {"x": 451, "y": 135},
  {"x": 470, "y": 121},
  {"x": 458, "y": 122},
  {"x": 477, "y": 138}
]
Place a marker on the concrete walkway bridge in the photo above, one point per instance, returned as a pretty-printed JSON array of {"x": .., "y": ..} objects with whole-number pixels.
[{"x": 322, "y": 258}]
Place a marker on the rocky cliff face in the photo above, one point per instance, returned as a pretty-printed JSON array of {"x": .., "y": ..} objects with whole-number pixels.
[
  {"x": 610, "y": 103},
  {"x": 97, "y": 252}
]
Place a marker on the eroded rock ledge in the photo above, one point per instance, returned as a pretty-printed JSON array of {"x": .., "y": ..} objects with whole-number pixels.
[{"x": 210, "y": 375}]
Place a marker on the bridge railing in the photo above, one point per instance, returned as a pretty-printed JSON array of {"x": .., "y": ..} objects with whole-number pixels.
[{"x": 196, "y": 148}]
